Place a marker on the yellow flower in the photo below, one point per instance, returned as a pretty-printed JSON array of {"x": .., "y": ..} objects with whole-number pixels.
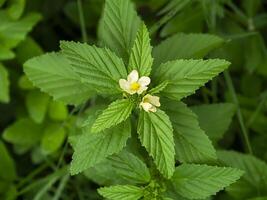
[
  {"x": 150, "y": 103},
  {"x": 134, "y": 84}
]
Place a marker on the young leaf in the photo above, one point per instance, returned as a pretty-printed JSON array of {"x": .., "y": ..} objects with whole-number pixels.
[
  {"x": 130, "y": 167},
  {"x": 201, "y": 181},
  {"x": 23, "y": 132},
  {"x": 185, "y": 46},
  {"x": 53, "y": 74},
  {"x": 119, "y": 192},
  {"x": 6, "y": 53},
  {"x": 159, "y": 87},
  {"x": 7, "y": 167},
  {"x": 12, "y": 32},
  {"x": 117, "y": 112},
  {"x": 57, "y": 111},
  {"x": 53, "y": 138},
  {"x": 99, "y": 67},
  {"x": 156, "y": 135},
  {"x": 215, "y": 119},
  {"x": 37, "y": 104},
  {"x": 4, "y": 84},
  {"x": 186, "y": 76},
  {"x": 92, "y": 148},
  {"x": 15, "y": 8},
  {"x": 118, "y": 26},
  {"x": 191, "y": 143},
  {"x": 140, "y": 57}
]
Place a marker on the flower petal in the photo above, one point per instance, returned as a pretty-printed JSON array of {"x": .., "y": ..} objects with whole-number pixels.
[
  {"x": 123, "y": 84},
  {"x": 133, "y": 76},
  {"x": 141, "y": 89},
  {"x": 144, "y": 81},
  {"x": 146, "y": 106},
  {"x": 153, "y": 100}
]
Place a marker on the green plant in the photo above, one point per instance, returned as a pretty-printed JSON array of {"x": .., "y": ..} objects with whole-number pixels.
[{"x": 148, "y": 107}]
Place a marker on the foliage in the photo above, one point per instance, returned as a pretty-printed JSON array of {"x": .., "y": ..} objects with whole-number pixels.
[{"x": 121, "y": 99}]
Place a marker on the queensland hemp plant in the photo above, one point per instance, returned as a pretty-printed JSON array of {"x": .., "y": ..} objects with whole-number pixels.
[{"x": 137, "y": 138}]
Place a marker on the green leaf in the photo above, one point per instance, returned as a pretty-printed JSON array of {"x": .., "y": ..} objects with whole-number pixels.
[
  {"x": 215, "y": 119},
  {"x": 184, "y": 46},
  {"x": 37, "y": 105},
  {"x": 119, "y": 192},
  {"x": 12, "y": 32},
  {"x": 2, "y": 2},
  {"x": 191, "y": 143},
  {"x": 117, "y": 112},
  {"x": 53, "y": 138},
  {"x": 23, "y": 132},
  {"x": 201, "y": 181},
  {"x": 156, "y": 135},
  {"x": 27, "y": 49},
  {"x": 140, "y": 57},
  {"x": 54, "y": 75},
  {"x": 4, "y": 85},
  {"x": 92, "y": 148},
  {"x": 104, "y": 174},
  {"x": 159, "y": 87},
  {"x": 7, "y": 167},
  {"x": 255, "y": 177},
  {"x": 15, "y": 8},
  {"x": 57, "y": 111},
  {"x": 98, "y": 67},
  {"x": 24, "y": 83},
  {"x": 118, "y": 27},
  {"x": 130, "y": 167},
  {"x": 186, "y": 76},
  {"x": 6, "y": 53}
]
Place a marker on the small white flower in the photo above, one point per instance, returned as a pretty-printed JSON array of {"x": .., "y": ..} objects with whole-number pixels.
[
  {"x": 134, "y": 84},
  {"x": 150, "y": 103}
]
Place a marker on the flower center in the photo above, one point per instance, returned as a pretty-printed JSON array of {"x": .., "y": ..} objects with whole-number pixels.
[{"x": 135, "y": 86}]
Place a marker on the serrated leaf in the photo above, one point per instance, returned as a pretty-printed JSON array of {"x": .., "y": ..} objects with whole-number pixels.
[
  {"x": 4, "y": 85},
  {"x": 23, "y": 132},
  {"x": 140, "y": 57},
  {"x": 201, "y": 181},
  {"x": 215, "y": 119},
  {"x": 119, "y": 192},
  {"x": 37, "y": 105},
  {"x": 254, "y": 180},
  {"x": 118, "y": 27},
  {"x": 104, "y": 174},
  {"x": 156, "y": 135},
  {"x": 191, "y": 143},
  {"x": 186, "y": 76},
  {"x": 117, "y": 112},
  {"x": 12, "y": 32},
  {"x": 7, "y": 167},
  {"x": 130, "y": 167},
  {"x": 158, "y": 88},
  {"x": 98, "y": 67},
  {"x": 185, "y": 46},
  {"x": 92, "y": 148},
  {"x": 54, "y": 75}
]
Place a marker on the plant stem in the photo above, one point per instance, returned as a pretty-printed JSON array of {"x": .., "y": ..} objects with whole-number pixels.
[
  {"x": 82, "y": 23},
  {"x": 257, "y": 111},
  {"x": 239, "y": 114}
]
